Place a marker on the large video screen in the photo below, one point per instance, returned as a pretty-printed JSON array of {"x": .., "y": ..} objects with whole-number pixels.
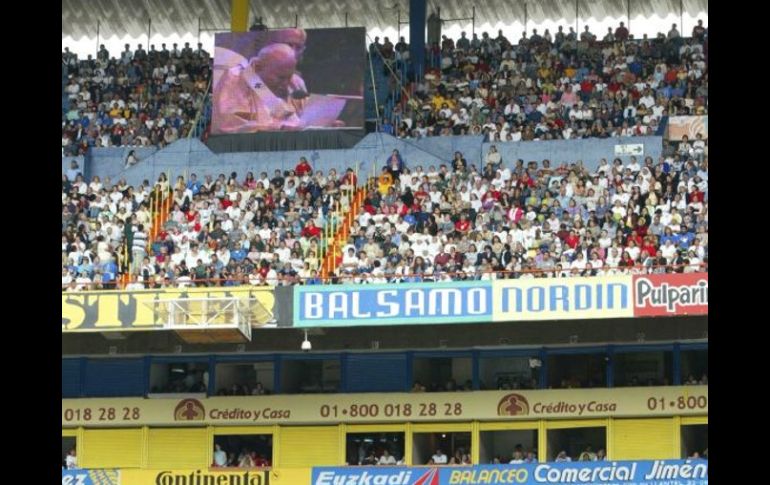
[{"x": 288, "y": 80}]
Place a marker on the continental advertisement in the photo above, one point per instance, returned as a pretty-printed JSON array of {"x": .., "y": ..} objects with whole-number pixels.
[
  {"x": 391, "y": 407},
  {"x": 510, "y": 300},
  {"x": 652, "y": 472},
  {"x": 165, "y": 477},
  {"x": 104, "y": 311}
]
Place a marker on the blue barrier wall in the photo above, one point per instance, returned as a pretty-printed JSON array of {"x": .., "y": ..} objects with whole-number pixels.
[
  {"x": 192, "y": 156},
  {"x": 589, "y": 150},
  {"x": 67, "y": 161}
]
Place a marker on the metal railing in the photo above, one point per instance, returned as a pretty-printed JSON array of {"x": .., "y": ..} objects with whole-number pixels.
[
  {"x": 203, "y": 114},
  {"x": 419, "y": 277}
]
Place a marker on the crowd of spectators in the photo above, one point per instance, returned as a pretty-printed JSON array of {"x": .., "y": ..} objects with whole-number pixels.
[
  {"x": 238, "y": 457},
  {"x": 551, "y": 86},
  {"x": 692, "y": 381},
  {"x": 139, "y": 98},
  {"x": 519, "y": 456},
  {"x": 502, "y": 219},
  {"x": 381, "y": 453},
  {"x": 257, "y": 389},
  {"x": 450, "y": 386},
  {"x": 461, "y": 456},
  {"x": 586, "y": 455}
]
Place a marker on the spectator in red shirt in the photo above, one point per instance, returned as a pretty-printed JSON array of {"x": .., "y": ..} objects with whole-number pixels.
[
  {"x": 636, "y": 238},
  {"x": 463, "y": 226},
  {"x": 525, "y": 181},
  {"x": 621, "y": 33},
  {"x": 650, "y": 246},
  {"x": 442, "y": 258},
  {"x": 572, "y": 240},
  {"x": 311, "y": 230},
  {"x": 303, "y": 167},
  {"x": 696, "y": 195},
  {"x": 349, "y": 178}
]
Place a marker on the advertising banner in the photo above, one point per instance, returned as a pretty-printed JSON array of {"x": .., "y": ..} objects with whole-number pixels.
[
  {"x": 90, "y": 477},
  {"x": 195, "y": 477},
  {"x": 657, "y": 472},
  {"x": 678, "y": 126},
  {"x": 415, "y": 303},
  {"x": 562, "y": 298},
  {"x": 635, "y": 149},
  {"x": 104, "y": 311},
  {"x": 507, "y": 300},
  {"x": 390, "y": 407},
  {"x": 671, "y": 294}
]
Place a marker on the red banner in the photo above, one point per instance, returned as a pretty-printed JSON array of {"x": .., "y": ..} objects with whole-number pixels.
[{"x": 671, "y": 294}]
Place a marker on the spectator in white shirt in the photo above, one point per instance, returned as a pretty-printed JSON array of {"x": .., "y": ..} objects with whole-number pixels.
[
  {"x": 72, "y": 460},
  {"x": 439, "y": 458},
  {"x": 386, "y": 459}
]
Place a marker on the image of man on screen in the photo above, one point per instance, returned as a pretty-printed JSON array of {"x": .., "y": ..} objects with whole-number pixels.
[{"x": 265, "y": 95}]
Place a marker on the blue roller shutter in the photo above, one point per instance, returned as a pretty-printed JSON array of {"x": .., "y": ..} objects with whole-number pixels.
[
  {"x": 376, "y": 373},
  {"x": 70, "y": 378},
  {"x": 114, "y": 377}
]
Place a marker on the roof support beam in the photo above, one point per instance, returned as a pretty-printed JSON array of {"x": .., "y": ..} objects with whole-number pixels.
[{"x": 239, "y": 19}]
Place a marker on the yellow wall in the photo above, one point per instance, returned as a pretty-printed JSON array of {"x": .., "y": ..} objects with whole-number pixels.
[
  {"x": 648, "y": 439},
  {"x": 303, "y": 446},
  {"x": 177, "y": 448},
  {"x": 296, "y": 448},
  {"x": 111, "y": 448},
  {"x": 291, "y": 476}
]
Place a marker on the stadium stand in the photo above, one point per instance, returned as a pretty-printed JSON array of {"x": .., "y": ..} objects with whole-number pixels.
[
  {"x": 549, "y": 87},
  {"x": 452, "y": 222},
  {"x": 202, "y": 218},
  {"x": 137, "y": 99},
  {"x": 542, "y": 88}
]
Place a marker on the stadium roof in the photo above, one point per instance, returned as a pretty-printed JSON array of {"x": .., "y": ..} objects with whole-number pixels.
[{"x": 129, "y": 18}]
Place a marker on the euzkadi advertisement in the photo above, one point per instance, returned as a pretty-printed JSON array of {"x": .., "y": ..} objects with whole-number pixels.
[{"x": 507, "y": 300}]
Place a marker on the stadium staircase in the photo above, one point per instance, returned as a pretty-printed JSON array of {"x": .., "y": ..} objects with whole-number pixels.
[
  {"x": 337, "y": 229},
  {"x": 161, "y": 201}
]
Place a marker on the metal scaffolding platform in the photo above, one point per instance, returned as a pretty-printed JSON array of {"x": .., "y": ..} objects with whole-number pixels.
[{"x": 211, "y": 320}]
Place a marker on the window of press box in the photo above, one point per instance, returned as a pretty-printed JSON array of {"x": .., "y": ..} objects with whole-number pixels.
[
  {"x": 509, "y": 372},
  {"x": 577, "y": 444},
  {"x": 571, "y": 371},
  {"x": 695, "y": 366},
  {"x": 311, "y": 376},
  {"x": 374, "y": 448},
  {"x": 497, "y": 447},
  {"x": 243, "y": 450},
  {"x": 245, "y": 379},
  {"x": 68, "y": 452},
  {"x": 179, "y": 378},
  {"x": 441, "y": 448},
  {"x": 442, "y": 374},
  {"x": 695, "y": 440},
  {"x": 635, "y": 369}
]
